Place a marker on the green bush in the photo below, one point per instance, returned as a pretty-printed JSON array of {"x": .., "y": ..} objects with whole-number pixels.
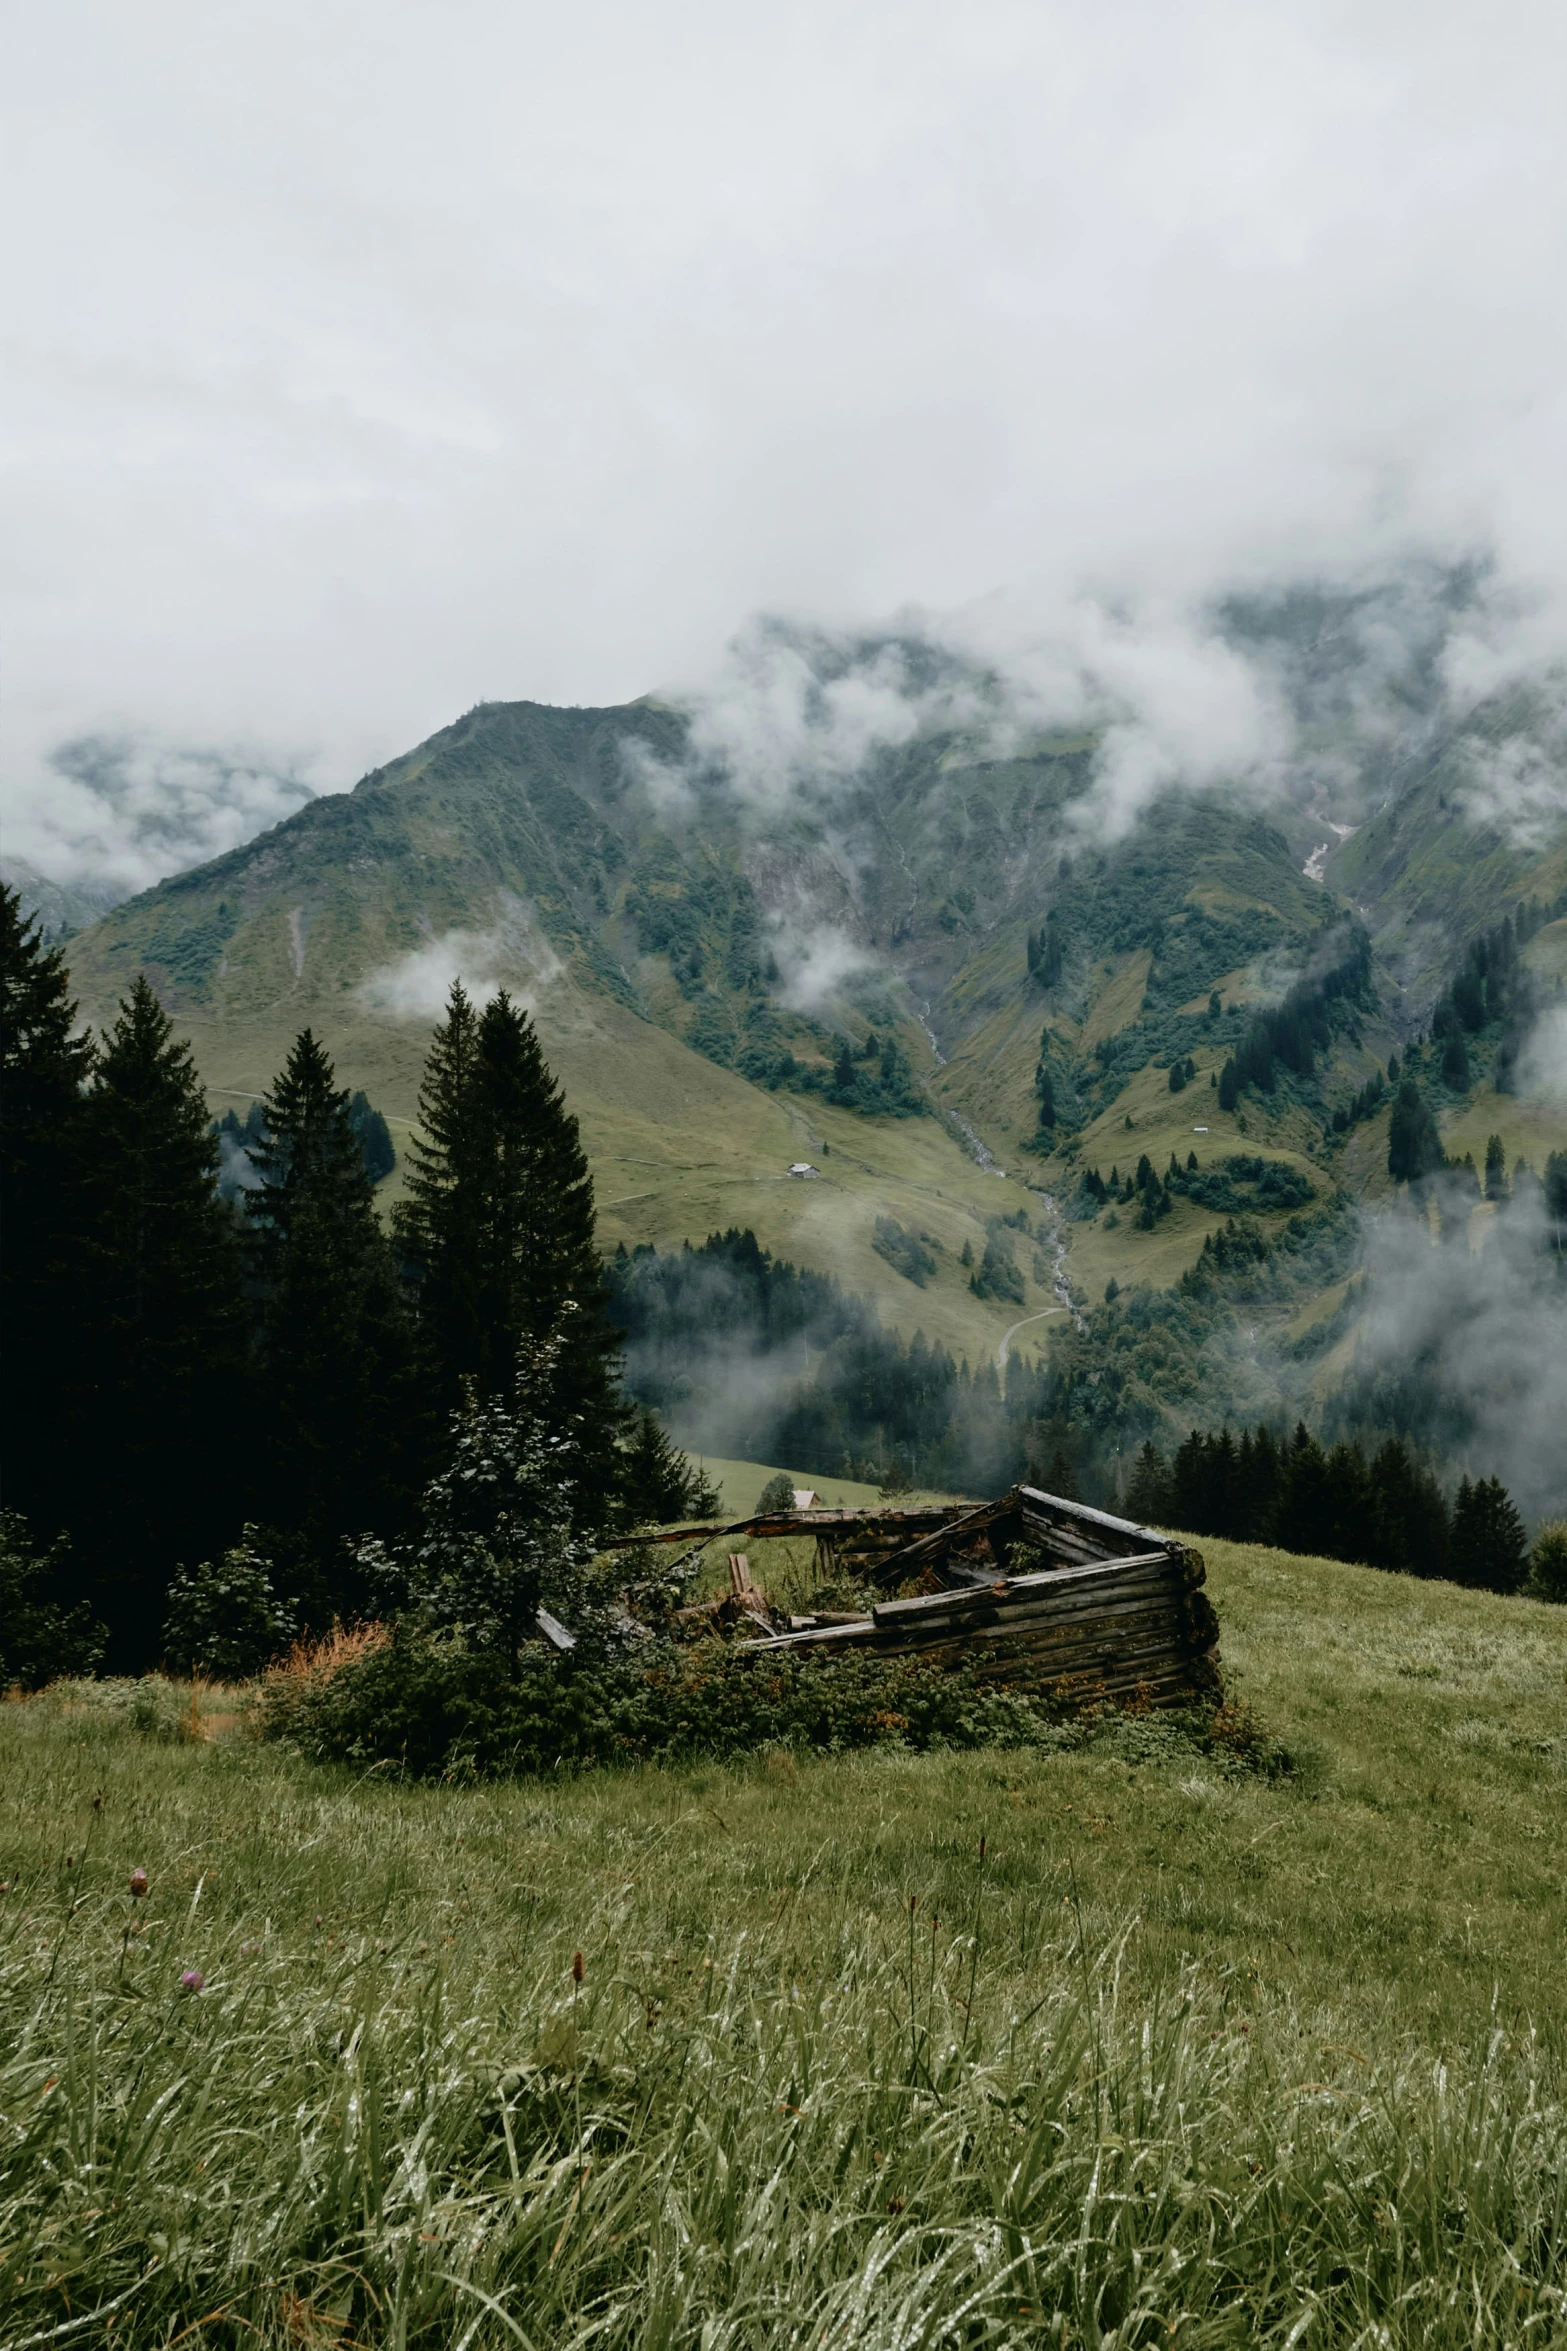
[
  {"x": 224, "y": 1619},
  {"x": 1548, "y": 1563},
  {"x": 44, "y": 1635},
  {"x": 439, "y": 1709}
]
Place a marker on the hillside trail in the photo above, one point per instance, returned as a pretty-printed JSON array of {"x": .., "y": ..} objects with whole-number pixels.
[{"x": 1043, "y": 1316}]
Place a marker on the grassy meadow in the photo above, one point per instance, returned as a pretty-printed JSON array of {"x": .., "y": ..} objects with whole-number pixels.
[{"x": 1105, "y": 2046}]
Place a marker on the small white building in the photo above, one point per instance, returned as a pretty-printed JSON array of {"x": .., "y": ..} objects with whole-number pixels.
[{"x": 803, "y": 1167}]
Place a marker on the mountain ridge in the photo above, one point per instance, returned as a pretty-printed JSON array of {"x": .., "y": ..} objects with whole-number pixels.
[{"x": 725, "y": 974}]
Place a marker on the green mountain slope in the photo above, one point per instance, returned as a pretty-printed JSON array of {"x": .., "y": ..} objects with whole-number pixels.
[{"x": 868, "y": 971}]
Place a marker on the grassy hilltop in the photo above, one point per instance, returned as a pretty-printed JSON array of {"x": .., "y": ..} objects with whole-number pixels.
[{"x": 1181, "y": 2053}]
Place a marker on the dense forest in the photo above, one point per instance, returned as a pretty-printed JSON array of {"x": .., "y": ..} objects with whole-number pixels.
[
  {"x": 191, "y": 1364},
  {"x": 1386, "y": 1509}
]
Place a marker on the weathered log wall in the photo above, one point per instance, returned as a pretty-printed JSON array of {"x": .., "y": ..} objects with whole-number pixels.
[
  {"x": 1117, "y": 1612},
  {"x": 1136, "y": 1628}
]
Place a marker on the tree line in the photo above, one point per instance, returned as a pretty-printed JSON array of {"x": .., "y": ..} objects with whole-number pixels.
[
  {"x": 1293, "y": 1032},
  {"x": 178, "y": 1366},
  {"x": 1384, "y": 1509}
]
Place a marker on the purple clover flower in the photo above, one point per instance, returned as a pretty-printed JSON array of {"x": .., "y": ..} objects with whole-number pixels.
[{"x": 192, "y": 1980}]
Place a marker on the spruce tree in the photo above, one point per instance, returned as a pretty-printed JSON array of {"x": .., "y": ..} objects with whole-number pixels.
[
  {"x": 1489, "y": 1550},
  {"x": 1304, "y": 1516},
  {"x": 159, "y": 1400},
  {"x": 375, "y": 1140},
  {"x": 44, "y": 1066},
  {"x": 1554, "y": 1189},
  {"x": 1060, "y": 1474},
  {"x": 341, "y": 1427},
  {"x": 659, "y": 1483},
  {"x": 1409, "y": 1516},
  {"x": 1260, "y": 1500},
  {"x": 1414, "y": 1148},
  {"x": 498, "y": 1228},
  {"x": 438, "y": 1225},
  {"x": 1347, "y": 1528},
  {"x": 1150, "y": 1495}
]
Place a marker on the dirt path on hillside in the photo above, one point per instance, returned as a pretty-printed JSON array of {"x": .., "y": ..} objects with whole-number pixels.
[{"x": 1043, "y": 1316}]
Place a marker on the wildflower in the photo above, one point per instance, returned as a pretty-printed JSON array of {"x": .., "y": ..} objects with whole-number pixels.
[
  {"x": 576, "y": 1967},
  {"x": 138, "y": 1884},
  {"x": 192, "y": 1980}
]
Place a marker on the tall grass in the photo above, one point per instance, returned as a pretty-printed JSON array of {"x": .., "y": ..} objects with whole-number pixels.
[
  {"x": 1173, "y": 2057},
  {"x": 891, "y": 2149}
]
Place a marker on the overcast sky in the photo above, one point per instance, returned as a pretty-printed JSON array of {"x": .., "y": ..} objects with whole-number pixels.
[{"x": 364, "y": 362}]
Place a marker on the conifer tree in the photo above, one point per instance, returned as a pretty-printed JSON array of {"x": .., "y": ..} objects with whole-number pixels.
[
  {"x": 1409, "y": 1517},
  {"x": 1414, "y": 1148},
  {"x": 375, "y": 1140},
  {"x": 1259, "y": 1481},
  {"x": 1060, "y": 1473},
  {"x": 340, "y": 1426},
  {"x": 498, "y": 1227},
  {"x": 1305, "y": 1518},
  {"x": 438, "y": 1226},
  {"x": 1489, "y": 1550},
  {"x": 43, "y": 1068},
  {"x": 1346, "y": 1505},
  {"x": 159, "y": 1399},
  {"x": 659, "y": 1482},
  {"x": 1150, "y": 1494},
  {"x": 1554, "y": 1192},
  {"x": 1495, "y": 1168}
]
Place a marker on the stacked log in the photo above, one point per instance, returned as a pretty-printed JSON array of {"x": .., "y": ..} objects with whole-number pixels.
[
  {"x": 1112, "y": 1621},
  {"x": 1116, "y": 1612},
  {"x": 1135, "y": 1629}
]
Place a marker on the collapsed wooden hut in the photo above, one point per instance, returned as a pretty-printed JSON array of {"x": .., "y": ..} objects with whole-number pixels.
[{"x": 1033, "y": 1589}]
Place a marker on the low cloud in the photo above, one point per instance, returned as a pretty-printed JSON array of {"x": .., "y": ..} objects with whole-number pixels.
[
  {"x": 1175, "y": 701},
  {"x": 1467, "y": 1348},
  {"x": 790, "y": 713},
  {"x": 121, "y": 812},
  {"x": 1311, "y": 692},
  {"x": 1518, "y": 786},
  {"x": 1542, "y": 1065},
  {"x": 513, "y": 954},
  {"x": 816, "y": 963}
]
